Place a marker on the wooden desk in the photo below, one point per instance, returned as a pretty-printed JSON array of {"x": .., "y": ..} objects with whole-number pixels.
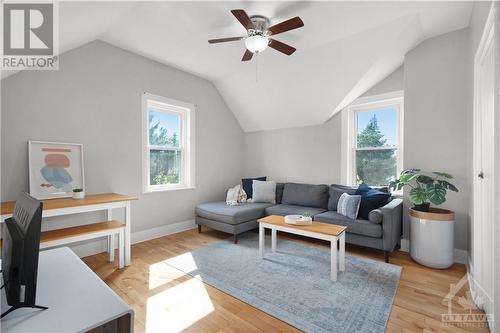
[
  {"x": 77, "y": 300},
  {"x": 91, "y": 203}
]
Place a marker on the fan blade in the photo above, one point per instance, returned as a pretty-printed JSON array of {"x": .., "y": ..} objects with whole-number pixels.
[
  {"x": 282, "y": 47},
  {"x": 247, "y": 56},
  {"x": 242, "y": 16},
  {"x": 222, "y": 40},
  {"x": 287, "y": 25}
]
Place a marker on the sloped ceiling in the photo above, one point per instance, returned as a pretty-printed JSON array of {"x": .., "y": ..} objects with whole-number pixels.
[{"x": 343, "y": 50}]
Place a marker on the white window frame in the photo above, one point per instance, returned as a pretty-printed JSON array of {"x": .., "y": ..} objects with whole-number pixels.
[
  {"x": 186, "y": 111},
  {"x": 349, "y": 137}
]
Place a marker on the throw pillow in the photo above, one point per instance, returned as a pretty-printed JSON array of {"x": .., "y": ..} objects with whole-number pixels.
[
  {"x": 349, "y": 205},
  {"x": 370, "y": 199},
  {"x": 247, "y": 185},
  {"x": 335, "y": 191},
  {"x": 264, "y": 191}
]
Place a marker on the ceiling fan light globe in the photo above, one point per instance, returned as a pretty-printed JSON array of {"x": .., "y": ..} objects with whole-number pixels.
[{"x": 256, "y": 43}]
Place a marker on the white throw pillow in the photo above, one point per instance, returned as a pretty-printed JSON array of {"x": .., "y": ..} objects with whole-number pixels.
[
  {"x": 264, "y": 191},
  {"x": 349, "y": 205}
]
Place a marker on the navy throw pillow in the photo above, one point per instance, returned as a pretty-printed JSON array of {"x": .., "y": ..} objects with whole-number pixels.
[
  {"x": 246, "y": 183},
  {"x": 370, "y": 199}
]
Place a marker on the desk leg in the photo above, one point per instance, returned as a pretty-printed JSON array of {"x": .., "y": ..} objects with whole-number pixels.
[
  {"x": 333, "y": 263},
  {"x": 273, "y": 239},
  {"x": 111, "y": 242},
  {"x": 127, "y": 234},
  {"x": 121, "y": 248},
  {"x": 342, "y": 253},
  {"x": 261, "y": 240}
]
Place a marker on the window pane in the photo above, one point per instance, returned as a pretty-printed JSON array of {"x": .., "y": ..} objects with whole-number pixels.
[
  {"x": 376, "y": 167},
  {"x": 164, "y": 128},
  {"x": 164, "y": 167},
  {"x": 377, "y": 128}
]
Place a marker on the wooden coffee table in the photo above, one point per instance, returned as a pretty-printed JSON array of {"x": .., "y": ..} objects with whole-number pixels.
[{"x": 329, "y": 232}]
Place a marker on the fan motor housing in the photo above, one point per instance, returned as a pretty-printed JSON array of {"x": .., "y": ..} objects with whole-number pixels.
[{"x": 261, "y": 23}]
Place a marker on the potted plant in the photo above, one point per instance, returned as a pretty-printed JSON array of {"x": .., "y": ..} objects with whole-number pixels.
[
  {"x": 424, "y": 189},
  {"x": 429, "y": 224},
  {"x": 78, "y": 193}
]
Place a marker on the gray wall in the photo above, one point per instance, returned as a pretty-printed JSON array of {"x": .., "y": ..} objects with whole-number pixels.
[
  {"x": 95, "y": 99},
  {"x": 435, "y": 119},
  {"x": 309, "y": 154}
]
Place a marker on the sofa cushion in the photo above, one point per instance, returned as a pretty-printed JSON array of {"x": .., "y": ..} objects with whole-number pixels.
[
  {"x": 305, "y": 195},
  {"x": 279, "y": 192},
  {"x": 360, "y": 227},
  {"x": 370, "y": 199},
  {"x": 220, "y": 211},
  {"x": 247, "y": 183},
  {"x": 285, "y": 209},
  {"x": 335, "y": 191}
]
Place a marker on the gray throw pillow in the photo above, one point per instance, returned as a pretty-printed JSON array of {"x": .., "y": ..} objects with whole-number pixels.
[
  {"x": 264, "y": 191},
  {"x": 349, "y": 205},
  {"x": 335, "y": 191},
  {"x": 375, "y": 216}
]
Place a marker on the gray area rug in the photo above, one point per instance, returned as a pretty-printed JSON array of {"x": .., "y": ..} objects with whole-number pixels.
[{"x": 293, "y": 284}]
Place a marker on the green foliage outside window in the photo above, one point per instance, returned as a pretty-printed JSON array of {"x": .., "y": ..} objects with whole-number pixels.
[
  {"x": 164, "y": 165},
  {"x": 374, "y": 167}
]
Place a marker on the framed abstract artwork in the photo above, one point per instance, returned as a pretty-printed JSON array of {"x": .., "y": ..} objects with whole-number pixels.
[{"x": 55, "y": 169}]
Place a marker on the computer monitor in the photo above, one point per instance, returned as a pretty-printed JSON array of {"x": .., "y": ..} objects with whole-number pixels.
[{"x": 20, "y": 249}]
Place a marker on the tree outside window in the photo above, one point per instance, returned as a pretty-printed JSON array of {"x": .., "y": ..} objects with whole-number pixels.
[{"x": 376, "y": 148}]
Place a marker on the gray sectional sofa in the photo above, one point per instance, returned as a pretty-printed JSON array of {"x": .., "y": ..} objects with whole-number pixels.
[{"x": 381, "y": 231}]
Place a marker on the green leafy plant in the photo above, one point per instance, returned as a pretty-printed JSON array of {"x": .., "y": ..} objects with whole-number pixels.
[
  {"x": 78, "y": 190},
  {"x": 307, "y": 214},
  {"x": 425, "y": 188}
]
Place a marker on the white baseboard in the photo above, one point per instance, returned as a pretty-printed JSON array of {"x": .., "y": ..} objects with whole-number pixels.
[
  {"x": 461, "y": 256},
  {"x": 88, "y": 248},
  {"x": 164, "y": 230}
]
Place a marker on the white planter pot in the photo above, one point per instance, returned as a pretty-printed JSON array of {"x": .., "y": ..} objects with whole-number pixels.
[
  {"x": 78, "y": 195},
  {"x": 432, "y": 237}
]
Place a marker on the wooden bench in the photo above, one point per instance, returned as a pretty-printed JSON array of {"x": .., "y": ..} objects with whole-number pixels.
[{"x": 109, "y": 229}]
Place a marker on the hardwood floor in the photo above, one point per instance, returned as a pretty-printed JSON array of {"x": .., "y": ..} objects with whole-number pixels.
[{"x": 167, "y": 300}]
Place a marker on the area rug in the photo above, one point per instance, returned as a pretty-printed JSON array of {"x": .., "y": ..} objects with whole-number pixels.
[{"x": 293, "y": 284}]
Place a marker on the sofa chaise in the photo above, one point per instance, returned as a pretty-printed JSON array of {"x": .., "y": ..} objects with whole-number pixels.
[{"x": 381, "y": 231}]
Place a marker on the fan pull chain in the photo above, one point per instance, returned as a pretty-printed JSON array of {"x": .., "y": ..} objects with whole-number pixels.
[{"x": 257, "y": 67}]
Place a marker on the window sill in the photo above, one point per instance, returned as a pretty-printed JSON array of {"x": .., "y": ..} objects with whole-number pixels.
[{"x": 168, "y": 189}]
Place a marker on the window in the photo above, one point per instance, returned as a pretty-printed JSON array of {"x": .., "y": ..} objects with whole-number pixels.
[
  {"x": 168, "y": 144},
  {"x": 375, "y": 139}
]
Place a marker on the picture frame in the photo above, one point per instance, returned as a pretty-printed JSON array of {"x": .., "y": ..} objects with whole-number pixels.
[{"x": 55, "y": 169}]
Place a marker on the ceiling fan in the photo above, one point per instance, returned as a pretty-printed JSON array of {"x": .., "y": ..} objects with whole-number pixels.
[{"x": 259, "y": 33}]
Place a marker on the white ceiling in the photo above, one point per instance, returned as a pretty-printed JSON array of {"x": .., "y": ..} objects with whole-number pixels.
[{"x": 344, "y": 48}]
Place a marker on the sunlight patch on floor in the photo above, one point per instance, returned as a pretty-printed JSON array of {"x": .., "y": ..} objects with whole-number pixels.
[
  {"x": 161, "y": 274},
  {"x": 179, "y": 307}
]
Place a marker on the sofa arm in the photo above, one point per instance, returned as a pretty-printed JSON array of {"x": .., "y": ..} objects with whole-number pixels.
[{"x": 391, "y": 224}]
